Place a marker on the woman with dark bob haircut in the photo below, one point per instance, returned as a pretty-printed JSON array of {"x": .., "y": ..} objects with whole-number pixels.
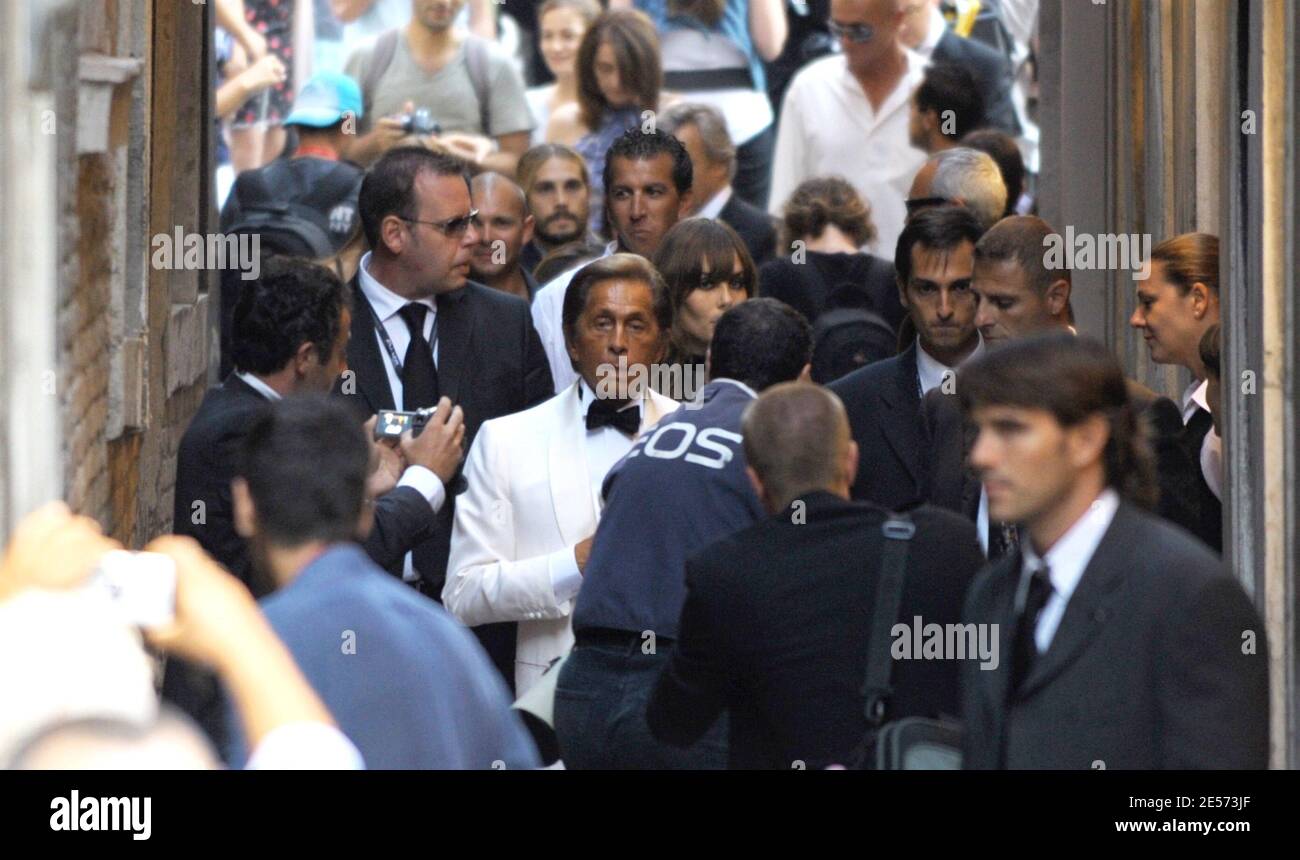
[
  {"x": 820, "y": 264},
  {"x": 708, "y": 270}
]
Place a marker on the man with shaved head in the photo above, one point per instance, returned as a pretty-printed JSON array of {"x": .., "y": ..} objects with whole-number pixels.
[
  {"x": 775, "y": 625},
  {"x": 505, "y": 226}
]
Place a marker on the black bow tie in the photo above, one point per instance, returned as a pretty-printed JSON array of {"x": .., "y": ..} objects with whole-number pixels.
[{"x": 609, "y": 413}]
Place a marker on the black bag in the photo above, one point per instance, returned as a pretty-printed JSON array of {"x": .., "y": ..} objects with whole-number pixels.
[
  {"x": 301, "y": 207},
  {"x": 845, "y": 339},
  {"x": 912, "y": 743}
]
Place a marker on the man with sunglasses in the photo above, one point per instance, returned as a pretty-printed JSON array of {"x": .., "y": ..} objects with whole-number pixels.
[
  {"x": 866, "y": 90},
  {"x": 422, "y": 330}
]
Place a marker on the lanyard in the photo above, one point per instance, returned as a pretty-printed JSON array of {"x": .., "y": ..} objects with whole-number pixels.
[{"x": 388, "y": 341}]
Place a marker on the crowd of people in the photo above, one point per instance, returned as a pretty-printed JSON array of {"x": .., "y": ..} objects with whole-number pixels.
[{"x": 735, "y": 347}]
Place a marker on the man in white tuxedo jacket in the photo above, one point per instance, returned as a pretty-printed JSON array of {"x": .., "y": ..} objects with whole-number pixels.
[{"x": 523, "y": 527}]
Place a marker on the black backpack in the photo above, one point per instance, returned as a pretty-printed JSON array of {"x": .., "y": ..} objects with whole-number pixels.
[
  {"x": 849, "y": 335},
  {"x": 299, "y": 207}
]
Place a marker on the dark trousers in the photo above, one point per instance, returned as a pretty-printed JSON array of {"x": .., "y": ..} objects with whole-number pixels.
[
  {"x": 600, "y": 707},
  {"x": 753, "y": 179}
]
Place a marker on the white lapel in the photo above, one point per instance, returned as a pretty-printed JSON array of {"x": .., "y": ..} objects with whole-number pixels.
[{"x": 570, "y": 481}]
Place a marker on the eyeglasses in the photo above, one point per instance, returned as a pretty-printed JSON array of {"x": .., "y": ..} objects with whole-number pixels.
[
  {"x": 452, "y": 227},
  {"x": 916, "y": 204},
  {"x": 853, "y": 32}
]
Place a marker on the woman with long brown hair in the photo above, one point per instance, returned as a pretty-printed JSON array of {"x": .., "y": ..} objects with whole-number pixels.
[
  {"x": 619, "y": 78},
  {"x": 708, "y": 271},
  {"x": 561, "y": 24}
]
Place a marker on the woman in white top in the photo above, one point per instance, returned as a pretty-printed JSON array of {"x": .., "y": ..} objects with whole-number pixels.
[{"x": 561, "y": 24}]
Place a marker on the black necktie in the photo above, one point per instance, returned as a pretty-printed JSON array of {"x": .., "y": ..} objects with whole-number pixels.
[
  {"x": 1024, "y": 649},
  {"x": 419, "y": 377},
  {"x": 608, "y": 413}
]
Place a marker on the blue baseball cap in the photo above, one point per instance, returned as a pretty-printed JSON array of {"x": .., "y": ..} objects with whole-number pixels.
[{"x": 325, "y": 100}]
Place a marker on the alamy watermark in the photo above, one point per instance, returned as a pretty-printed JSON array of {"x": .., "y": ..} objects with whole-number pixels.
[
  {"x": 919, "y": 641},
  {"x": 132, "y": 814},
  {"x": 195, "y": 251},
  {"x": 681, "y": 382},
  {"x": 1102, "y": 251}
]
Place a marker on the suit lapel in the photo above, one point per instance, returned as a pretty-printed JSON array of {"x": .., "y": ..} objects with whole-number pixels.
[
  {"x": 1003, "y": 606},
  {"x": 1092, "y": 603},
  {"x": 570, "y": 480},
  {"x": 455, "y": 331},
  {"x": 970, "y": 489},
  {"x": 364, "y": 359},
  {"x": 900, "y": 422}
]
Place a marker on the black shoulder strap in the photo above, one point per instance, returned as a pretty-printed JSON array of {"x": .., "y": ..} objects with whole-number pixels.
[
  {"x": 476, "y": 59},
  {"x": 380, "y": 60},
  {"x": 898, "y": 530}
]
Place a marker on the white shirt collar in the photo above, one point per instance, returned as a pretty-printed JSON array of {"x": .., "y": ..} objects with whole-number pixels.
[
  {"x": 931, "y": 372},
  {"x": 716, "y": 204},
  {"x": 385, "y": 302},
  {"x": 1193, "y": 397},
  {"x": 259, "y": 386},
  {"x": 937, "y": 26},
  {"x": 1069, "y": 556}
]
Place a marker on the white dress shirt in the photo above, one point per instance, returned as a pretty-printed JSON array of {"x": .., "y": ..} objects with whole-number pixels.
[
  {"x": 716, "y": 204},
  {"x": 387, "y": 306},
  {"x": 548, "y": 318},
  {"x": 1066, "y": 561},
  {"x": 829, "y": 126},
  {"x": 931, "y": 372}
]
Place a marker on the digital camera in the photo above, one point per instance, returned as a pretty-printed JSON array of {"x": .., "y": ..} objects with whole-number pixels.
[
  {"x": 419, "y": 122},
  {"x": 392, "y": 424}
]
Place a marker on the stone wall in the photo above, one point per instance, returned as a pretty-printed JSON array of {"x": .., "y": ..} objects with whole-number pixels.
[{"x": 134, "y": 344}]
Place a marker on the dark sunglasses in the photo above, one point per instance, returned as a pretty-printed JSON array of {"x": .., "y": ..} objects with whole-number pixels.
[
  {"x": 452, "y": 227},
  {"x": 853, "y": 32}
]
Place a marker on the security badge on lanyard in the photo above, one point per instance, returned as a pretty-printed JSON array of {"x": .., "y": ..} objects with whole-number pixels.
[{"x": 388, "y": 341}]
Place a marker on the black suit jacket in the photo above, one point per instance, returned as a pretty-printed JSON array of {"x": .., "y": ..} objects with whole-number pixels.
[
  {"x": 992, "y": 74},
  {"x": 490, "y": 363},
  {"x": 775, "y": 625},
  {"x": 205, "y": 465},
  {"x": 953, "y": 485},
  {"x": 207, "y": 462},
  {"x": 755, "y": 226},
  {"x": 1160, "y": 661},
  {"x": 883, "y": 403}
]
